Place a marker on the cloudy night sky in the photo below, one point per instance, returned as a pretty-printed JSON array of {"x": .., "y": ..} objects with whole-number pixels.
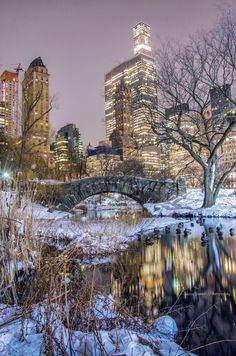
[{"x": 80, "y": 40}]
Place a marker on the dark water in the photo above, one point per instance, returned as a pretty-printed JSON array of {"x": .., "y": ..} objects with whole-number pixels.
[{"x": 177, "y": 275}]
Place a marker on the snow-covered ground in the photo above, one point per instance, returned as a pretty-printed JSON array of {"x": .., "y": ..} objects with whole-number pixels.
[
  {"x": 26, "y": 337},
  {"x": 96, "y": 238},
  {"x": 11, "y": 206},
  {"x": 191, "y": 202}
]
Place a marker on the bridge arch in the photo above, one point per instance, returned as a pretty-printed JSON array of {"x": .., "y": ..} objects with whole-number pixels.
[{"x": 66, "y": 196}]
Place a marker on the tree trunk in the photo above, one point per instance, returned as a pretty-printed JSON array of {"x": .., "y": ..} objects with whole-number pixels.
[{"x": 209, "y": 180}]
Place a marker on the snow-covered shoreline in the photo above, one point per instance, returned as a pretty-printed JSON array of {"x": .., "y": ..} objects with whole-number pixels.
[
  {"x": 99, "y": 238},
  {"x": 189, "y": 205}
]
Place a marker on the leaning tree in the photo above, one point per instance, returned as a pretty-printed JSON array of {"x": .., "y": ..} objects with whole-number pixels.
[{"x": 198, "y": 122}]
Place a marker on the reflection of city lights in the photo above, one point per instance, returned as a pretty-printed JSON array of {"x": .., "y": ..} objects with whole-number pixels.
[{"x": 169, "y": 263}]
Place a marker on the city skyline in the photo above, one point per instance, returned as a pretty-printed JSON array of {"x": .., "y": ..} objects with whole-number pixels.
[{"x": 91, "y": 46}]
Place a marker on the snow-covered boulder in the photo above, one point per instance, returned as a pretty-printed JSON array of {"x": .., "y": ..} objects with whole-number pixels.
[
  {"x": 166, "y": 327},
  {"x": 91, "y": 346}
]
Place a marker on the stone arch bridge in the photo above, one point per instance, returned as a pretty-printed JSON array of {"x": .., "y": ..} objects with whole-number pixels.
[{"x": 66, "y": 196}]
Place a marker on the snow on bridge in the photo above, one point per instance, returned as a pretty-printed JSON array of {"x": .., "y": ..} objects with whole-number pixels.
[{"x": 65, "y": 196}]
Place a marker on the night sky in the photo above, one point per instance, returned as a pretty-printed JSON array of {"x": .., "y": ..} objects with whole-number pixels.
[{"x": 80, "y": 40}]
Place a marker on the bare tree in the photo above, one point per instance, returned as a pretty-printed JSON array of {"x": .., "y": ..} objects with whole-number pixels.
[
  {"x": 106, "y": 163},
  {"x": 186, "y": 77},
  {"x": 129, "y": 167},
  {"x": 7, "y": 154}
]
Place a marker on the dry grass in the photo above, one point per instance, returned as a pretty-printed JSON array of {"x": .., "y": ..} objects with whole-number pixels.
[{"x": 20, "y": 251}]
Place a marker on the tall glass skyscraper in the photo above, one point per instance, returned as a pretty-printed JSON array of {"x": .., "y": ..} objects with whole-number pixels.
[
  {"x": 68, "y": 146},
  {"x": 139, "y": 74}
]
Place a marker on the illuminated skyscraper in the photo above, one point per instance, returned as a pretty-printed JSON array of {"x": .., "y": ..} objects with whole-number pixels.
[
  {"x": 120, "y": 137},
  {"x": 68, "y": 146},
  {"x": 2, "y": 121},
  {"x": 36, "y": 107},
  {"x": 142, "y": 39},
  {"x": 138, "y": 74},
  {"x": 9, "y": 99}
]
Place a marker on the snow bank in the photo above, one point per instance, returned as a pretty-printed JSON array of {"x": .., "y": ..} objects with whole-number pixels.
[
  {"x": 157, "y": 340},
  {"x": 25, "y": 208},
  {"x": 191, "y": 202}
]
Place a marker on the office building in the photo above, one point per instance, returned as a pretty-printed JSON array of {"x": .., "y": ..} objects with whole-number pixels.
[
  {"x": 228, "y": 154},
  {"x": 222, "y": 107},
  {"x": 68, "y": 147},
  {"x": 178, "y": 162},
  {"x": 9, "y": 107},
  {"x": 36, "y": 106},
  {"x": 127, "y": 87}
]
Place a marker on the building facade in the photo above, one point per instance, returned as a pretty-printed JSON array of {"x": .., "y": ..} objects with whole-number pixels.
[
  {"x": 68, "y": 148},
  {"x": 9, "y": 105},
  {"x": 181, "y": 163},
  {"x": 102, "y": 159},
  {"x": 127, "y": 87},
  {"x": 228, "y": 155},
  {"x": 2, "y": 122},
  {"x": 220, "y": 100},
  {"x": 178, "y": 162},
  {"x": 221, "y": 104},
  {"x": 36, "y": 106},
  {"x": 121, "y": 136}
]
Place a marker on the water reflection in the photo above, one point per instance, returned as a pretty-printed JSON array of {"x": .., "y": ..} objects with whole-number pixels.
[
  {"x": 177, "y": 274},
  {"x": 113, "y": 214}
]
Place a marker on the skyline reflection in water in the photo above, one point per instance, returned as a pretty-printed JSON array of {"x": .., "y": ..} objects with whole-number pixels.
[{"x": 193, "y": 283}]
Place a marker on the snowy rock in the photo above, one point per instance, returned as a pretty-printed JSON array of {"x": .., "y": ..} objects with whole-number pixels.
[
  {"x": 119, "y": 341},
  {"x": 129, "y": 344},
  {"x": 166, "y": 326},
  {"x": 170, "y": 348},
  {"x": 91, "y": 346}
]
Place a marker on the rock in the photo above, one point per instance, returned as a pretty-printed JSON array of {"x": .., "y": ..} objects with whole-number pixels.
[
  {"x": 166, "y": 326},
  {"x": 90, "y": 346},
  {"x": 131, "y": 346},
  {"x": 170, "y": 348}
]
